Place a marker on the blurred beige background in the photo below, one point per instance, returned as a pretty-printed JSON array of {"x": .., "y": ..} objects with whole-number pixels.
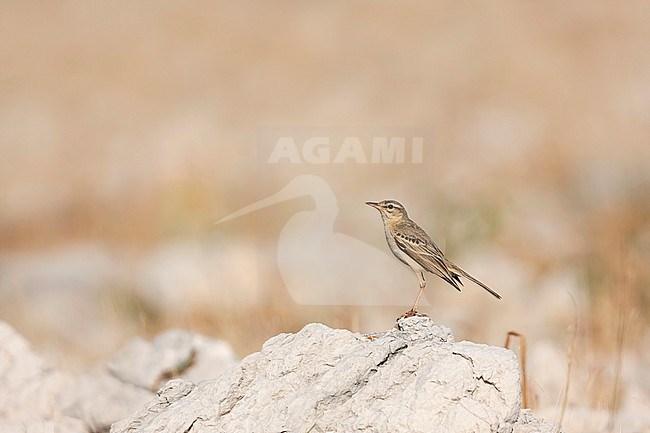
[{"x": 128, "y": 129}]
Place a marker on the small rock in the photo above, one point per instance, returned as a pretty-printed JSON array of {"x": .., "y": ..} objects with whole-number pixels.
[
  {"x": 113, "y": 391},
  {"x": 99, "y": 399},
  {"x": 172, "y": 353},
  {"x": 527, "y": 423}
]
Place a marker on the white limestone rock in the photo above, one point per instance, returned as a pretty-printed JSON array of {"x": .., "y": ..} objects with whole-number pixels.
[
  {"x": 99, "y": 399},
  {"x": 113, "y": 391},
  {"x": 527, "y": 423},
  {"x": 29, "y": 389},
  {"x": 173, "y": 353},
  {"x": 411, "y": 379}
]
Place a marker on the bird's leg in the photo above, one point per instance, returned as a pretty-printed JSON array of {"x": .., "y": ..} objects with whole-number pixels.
[{"x": 423, "y": 285}]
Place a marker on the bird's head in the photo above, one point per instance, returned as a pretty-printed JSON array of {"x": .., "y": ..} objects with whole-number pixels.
[{"x": 391, "y": 210}]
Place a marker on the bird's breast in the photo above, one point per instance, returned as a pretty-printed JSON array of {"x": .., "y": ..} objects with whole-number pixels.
[{"x": 401, "y": 255}]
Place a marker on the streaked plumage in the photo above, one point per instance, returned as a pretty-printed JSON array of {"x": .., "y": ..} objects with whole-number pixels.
[{"x": 413, "y": 247}]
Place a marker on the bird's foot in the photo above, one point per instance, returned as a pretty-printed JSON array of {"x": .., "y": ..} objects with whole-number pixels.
[{"x": 411, "y": 313}]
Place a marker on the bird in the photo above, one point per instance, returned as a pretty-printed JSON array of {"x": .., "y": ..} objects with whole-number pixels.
[{"x": 413, "y": 247}]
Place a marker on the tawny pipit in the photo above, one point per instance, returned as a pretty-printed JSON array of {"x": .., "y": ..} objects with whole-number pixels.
[{"x": 413, "y": 247}]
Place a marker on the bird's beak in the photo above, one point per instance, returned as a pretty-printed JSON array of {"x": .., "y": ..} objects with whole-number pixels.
[{"x": 373, "y": 204}]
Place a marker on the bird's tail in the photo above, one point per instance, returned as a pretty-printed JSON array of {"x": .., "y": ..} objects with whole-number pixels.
[{"x": 456, "y": 270}]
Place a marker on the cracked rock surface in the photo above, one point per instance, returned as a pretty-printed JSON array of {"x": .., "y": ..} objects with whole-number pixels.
[{"x": 411, "y": 379}]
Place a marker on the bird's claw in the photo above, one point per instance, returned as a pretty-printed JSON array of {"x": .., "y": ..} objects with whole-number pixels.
[{"x": 411, "y": 313}]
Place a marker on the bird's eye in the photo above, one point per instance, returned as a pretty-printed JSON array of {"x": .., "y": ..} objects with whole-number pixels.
[{"x": 390, "y": 206}]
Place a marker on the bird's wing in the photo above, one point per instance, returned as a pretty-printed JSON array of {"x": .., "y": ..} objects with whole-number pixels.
[{"x": 414, "y": 241}]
